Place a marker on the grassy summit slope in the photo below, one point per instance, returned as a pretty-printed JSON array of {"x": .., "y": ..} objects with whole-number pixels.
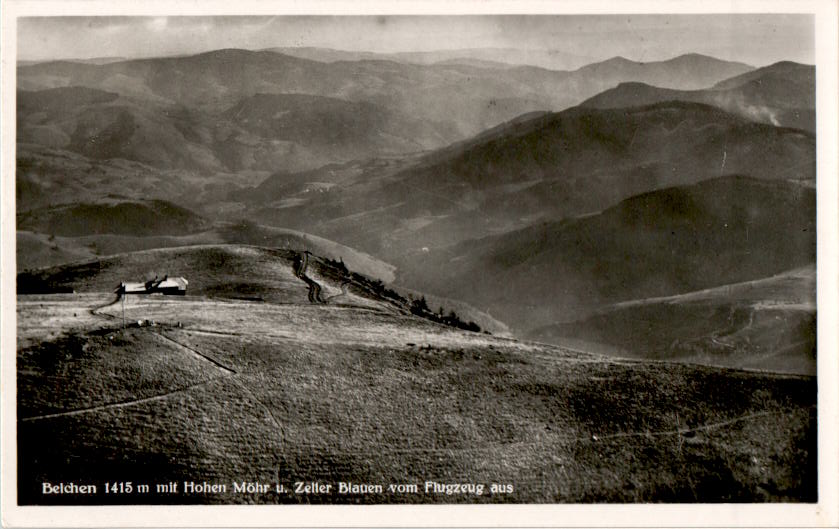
[
  {"x": 236, "y": 271},
  {"x": 301, "y": 392},
  {"x": 39, "y": 250},
  {"x": 116, "y": 216}
]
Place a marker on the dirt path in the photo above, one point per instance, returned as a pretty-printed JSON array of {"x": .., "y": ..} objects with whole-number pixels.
[
  {"x": 120, "y": 404},
  {"x": 342, "y": 294},
  {"x": 700, "y": 428},
  {"x": 777, "y": 352},
  {"x": 133, "y": 402},
  {"x": 233, "y": 379},
  {"x": 230, "y": 374},
  {"x": 721, "y": 344},
  {"x": 196, "y": 352},
  {"x": 300, "y": 271},
  {"x": 95, "y": 310},
  {"x": 561, "y": 441},
  {"x": 721, "y": 290}
]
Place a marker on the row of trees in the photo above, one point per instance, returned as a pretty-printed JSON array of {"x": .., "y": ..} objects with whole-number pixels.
[{"x": 418, "y": 306}]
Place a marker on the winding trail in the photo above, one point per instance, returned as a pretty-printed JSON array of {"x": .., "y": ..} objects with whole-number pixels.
[
  {"x": 95, "y": 310},
  {"x": 342, "y": 294},
  {"x": 300, "y": 271}
]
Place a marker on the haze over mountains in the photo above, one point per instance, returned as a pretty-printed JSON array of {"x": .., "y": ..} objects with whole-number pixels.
[
  {"x": 781, "y": 94},
  {"x": 675, "y": 240},
  {"x": 477, "y": 179},
  {"x": 549, "y": 167},
  {"x": 486, "y": 57},
  {"x": 402, "y": 107}
]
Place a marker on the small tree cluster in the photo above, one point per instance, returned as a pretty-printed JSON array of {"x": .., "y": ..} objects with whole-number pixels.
[
  {"x": 379, "y": 288},
  {"x": 420, "y": 308},
  {"x": 338, "y": 265},
  {"x": 417, "y": 306}
]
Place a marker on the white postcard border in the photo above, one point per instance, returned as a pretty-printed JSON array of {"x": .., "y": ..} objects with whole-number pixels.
[{"x": 823, "y": 514}]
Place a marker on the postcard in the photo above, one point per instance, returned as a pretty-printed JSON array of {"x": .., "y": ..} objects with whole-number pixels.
[{"x": 419, "y": 264}]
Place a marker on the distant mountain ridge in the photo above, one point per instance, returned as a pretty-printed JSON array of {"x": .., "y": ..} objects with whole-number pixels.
[
  {"x": 549, "y": 166},
  {"x": 116, "y": 216},
  {"x": 227, "y": 111},
  {"x": 458, "y": 93},
  {"x": 494, "y": 57},
  {"x": 762, "y": 324},
  {"x": 668, "y": 241},
  {"x": 333, "y": 126},
  {"x": 781, "y": 94},
  {"x": 669, "y": 177},
  {"x": 259, "y": 132},
  {"x": 692, "y": 70},
  {"x": 633, "y": 201},
  {"x": 789, "y": 70}
]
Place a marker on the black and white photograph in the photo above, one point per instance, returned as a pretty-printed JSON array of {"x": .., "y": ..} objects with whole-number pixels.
[{"x": 417, "y": 258}]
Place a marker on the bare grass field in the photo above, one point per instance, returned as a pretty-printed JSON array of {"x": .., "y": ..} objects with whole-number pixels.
[{"x": 229, "y": 391}]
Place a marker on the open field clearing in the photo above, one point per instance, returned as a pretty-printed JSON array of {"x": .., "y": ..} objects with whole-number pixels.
[{"x": 228, "y": 391}]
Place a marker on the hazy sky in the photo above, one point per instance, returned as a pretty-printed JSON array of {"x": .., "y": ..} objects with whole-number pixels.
[{"x": 754, "y": 39}]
